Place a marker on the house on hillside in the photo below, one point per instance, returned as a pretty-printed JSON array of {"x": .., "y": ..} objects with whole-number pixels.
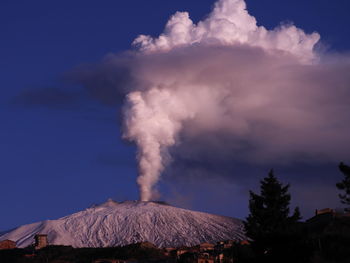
[
  {"x": 182, "y": 250},
  {"x": 204, "y": 247},
  {"x": 40, "y": 241},
  {"x": 220, "y": 246},
  {"x": 7, "y": 244},
  {"x": 113, "y": 261},
  {"x": 195, "y": 257},
  {"x": 205, "y": 258},
  {"x": 169, "y": 251},
  {"x": 324, "y": 211}
]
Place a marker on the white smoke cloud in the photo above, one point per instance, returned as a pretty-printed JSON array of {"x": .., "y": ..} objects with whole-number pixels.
[
  {"x": 229, "y": 78},
  {"x": 229, "y": 24}
]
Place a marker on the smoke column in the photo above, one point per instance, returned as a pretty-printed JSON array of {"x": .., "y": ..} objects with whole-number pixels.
[
  {"x": 225, "y": 73},
  {"x": 153, "y": 118}
]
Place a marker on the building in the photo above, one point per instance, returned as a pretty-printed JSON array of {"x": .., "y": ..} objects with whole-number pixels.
[
  {"x": 196, "y": 257},
  {"x": 182, "y": 250},
  {"x": 332, "y": 212},
  {"x": 324, "y": 211},
  {"x": 169, "y": 251},
  {"x": 220, "y": 246},
  {"x": 40, "y": 241},
  {"x": 245, "y": 242},
  {"x": 110, "y": 261},
  {"x": 7, "y": 244},
  {"x": 205, "y": 247},
  {"x": 205, "y": 258}
]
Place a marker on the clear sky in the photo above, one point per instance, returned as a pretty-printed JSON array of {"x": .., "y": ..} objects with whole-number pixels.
[{"x": 61, "y": 150}]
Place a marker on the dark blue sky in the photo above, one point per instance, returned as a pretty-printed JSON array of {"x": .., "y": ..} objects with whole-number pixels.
[{"x": 61, "y": 151}]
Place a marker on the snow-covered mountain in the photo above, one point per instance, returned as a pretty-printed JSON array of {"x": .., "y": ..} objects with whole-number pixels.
[{"x": 114, "y": 224}]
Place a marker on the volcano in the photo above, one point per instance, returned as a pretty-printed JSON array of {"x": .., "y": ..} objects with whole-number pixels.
[{"x": 117, "y": 224}]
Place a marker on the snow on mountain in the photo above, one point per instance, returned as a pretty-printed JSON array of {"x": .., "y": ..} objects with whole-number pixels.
[{"x": 115, "y": 224}]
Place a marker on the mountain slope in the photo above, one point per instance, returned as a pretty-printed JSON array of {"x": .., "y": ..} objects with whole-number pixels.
[{"x": 114, "y": 224}]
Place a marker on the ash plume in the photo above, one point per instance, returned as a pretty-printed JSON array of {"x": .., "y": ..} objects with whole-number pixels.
[{"x": 265, "y": 94}]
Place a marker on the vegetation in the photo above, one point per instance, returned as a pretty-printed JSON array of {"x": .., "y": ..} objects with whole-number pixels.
[
  {"x": 344, "y": 185},
  {"x": 270, "y": 227}
]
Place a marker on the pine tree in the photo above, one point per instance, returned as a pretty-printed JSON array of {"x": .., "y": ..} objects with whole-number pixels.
[
  {"x": 269, "y": 224},
  {"x": 344, "y": 185}
]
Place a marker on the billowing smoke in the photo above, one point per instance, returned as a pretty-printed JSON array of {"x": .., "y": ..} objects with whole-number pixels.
[{"x": 264, "y": 94}]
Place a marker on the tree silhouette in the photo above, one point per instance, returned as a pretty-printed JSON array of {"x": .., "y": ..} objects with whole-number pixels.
[
  {"x": 344, "y": 185},
  {"x": 270, "y": 227}
]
